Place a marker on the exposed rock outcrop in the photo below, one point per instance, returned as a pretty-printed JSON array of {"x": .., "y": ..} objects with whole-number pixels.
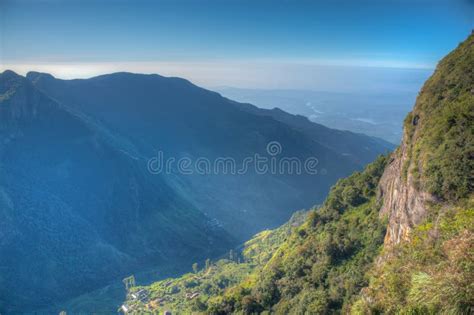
[
  {"x": 435, "y": 160},
  {"x": 404, "y": 204}
]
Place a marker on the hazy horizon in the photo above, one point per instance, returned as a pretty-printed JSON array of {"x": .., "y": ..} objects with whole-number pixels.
[
  {"x": 331, "y": 78},
  {"x": 316, "y": 45}
]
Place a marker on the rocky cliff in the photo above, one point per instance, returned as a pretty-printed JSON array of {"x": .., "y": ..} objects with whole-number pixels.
[
  {"x": 434, "y": 161},
  {"x": 403, "y": 204}
]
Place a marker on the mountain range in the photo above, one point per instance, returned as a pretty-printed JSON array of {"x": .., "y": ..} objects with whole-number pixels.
[{"x": 79, "y": 206}]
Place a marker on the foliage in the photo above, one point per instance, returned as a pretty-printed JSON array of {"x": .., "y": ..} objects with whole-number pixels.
[
  {"x": 439, "y": 131},
  {"x": 320, "y": 266},
  {"x": 431, "y": 274},
  {"x": 202, "y": 290}
]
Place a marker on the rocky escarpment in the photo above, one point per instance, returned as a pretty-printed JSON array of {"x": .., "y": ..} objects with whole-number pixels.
[
  {"x": 435, "y": 159},
  {"x": 403, "y": 203}
]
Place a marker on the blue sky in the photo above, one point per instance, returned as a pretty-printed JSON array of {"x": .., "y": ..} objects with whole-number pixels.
[{"x": 239, "y": 43}]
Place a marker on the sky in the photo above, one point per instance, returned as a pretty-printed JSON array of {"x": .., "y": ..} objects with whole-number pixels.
[{"x": 324, "y": 45}]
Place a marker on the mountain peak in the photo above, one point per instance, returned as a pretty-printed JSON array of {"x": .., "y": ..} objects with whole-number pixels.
[
  {"x": 34, "y": 76},
  {"x": 9, "y": 82},
  {"x": 9, "y": 73},
  {"x": 7, "y": 76},
  {"x": 126, "y": 75}
]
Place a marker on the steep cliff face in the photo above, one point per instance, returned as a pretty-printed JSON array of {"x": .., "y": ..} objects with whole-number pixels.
[
  {"x": 403, "y": 204},
  {"x": 435, "y": 160}
]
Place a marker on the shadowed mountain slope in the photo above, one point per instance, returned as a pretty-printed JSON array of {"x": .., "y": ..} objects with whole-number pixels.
[
  {"x": 75, "y": 211},
  {"x": 182, "y": 120}
]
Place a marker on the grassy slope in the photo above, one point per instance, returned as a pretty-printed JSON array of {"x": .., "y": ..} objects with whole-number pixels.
[
  {"x": 215, "y": 278},
  {"x": 433, "y": 273},
  {"x": 322, "y": 261},
  {"x": 321, "y": 266}
]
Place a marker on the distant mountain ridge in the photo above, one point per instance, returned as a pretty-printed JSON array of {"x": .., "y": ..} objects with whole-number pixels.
[
  {"x": 184, "y": 120},
  {"x": 344, "y": 142},
  {"x": 378, "y": 113},
  {"x": 79, "y": 207}
]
